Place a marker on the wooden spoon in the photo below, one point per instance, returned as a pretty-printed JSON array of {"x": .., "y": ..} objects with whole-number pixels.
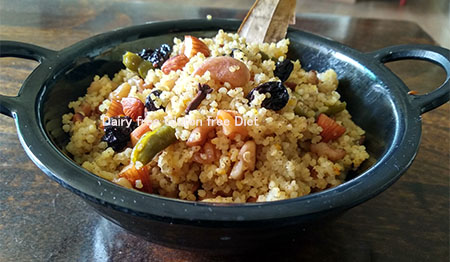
[{"x": 268, "y": 20}]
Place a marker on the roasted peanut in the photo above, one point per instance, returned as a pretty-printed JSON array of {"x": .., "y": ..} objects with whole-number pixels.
[
  {"x": 323, "y": 149},
  {"x": 207, "y": 155},
  {"x": 248, "y": 154},
  {"x": 199, "y": 135},
  {"x": 238, "y": 170},
  {"x": 246, "y": 160},
  {"x": 230, "y": 129}
]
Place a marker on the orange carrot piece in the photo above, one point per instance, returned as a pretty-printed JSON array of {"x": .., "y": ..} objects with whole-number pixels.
[
  {"x": 86, "y": 109},
  {"x": 77, "y": 117},
  {"x": 330, "y": 129},
  {"x": 138, "y": 132}
]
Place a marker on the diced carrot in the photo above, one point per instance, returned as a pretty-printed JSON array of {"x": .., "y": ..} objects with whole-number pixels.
[
  {"x": 115, "y": 109},
  {"x": 77, "y": 117},
  {"x": 86, "y": 109},
  {"x": 138, "y": 132},
  {"x": 132, "y": 175},
  {"x": 330, "y": 129}
]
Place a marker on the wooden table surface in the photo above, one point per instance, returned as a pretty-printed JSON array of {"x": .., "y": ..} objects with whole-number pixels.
[{"x": 41, "y": 221}]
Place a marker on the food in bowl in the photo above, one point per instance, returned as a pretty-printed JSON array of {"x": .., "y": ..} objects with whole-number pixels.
[{"x": 216, "y": 119}]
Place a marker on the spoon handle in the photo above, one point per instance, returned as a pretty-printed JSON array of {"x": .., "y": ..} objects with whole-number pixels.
[{"x": 268, "y": 20}]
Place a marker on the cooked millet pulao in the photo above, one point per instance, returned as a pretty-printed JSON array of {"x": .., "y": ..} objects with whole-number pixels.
[{"x": 287, "y": 133}]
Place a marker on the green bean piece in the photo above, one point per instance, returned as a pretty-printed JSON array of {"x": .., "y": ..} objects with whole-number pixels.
[
  {"x": 296, "y": 95},
  {"x": 131, "y": 61},
  {"x": 265, "y": 56},
  {"x": 299, "y": 112},
  {"x": 144, "y": 67},
  {"x": 336, "y": 108},
  {"x": 151, "y": 143},
  {"x": 297, "y": 109}
]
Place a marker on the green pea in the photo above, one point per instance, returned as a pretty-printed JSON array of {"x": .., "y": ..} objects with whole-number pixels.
[
  {"x": 336, "y": 108},
  {"x": 131, "y": 61},
  {"x": 151, "y": 143},
  {"x": 144, "y": 67}
]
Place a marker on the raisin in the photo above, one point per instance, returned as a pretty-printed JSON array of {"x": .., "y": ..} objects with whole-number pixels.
[
  {"x": 160, "y": 55},
  {"x": 117, "y": 132},
  {"x": 279, "y": 95},
  {"x": 150, "y": 104},
  {"x": 146, "y": 53},
  {"x": 283, "y": 69}
]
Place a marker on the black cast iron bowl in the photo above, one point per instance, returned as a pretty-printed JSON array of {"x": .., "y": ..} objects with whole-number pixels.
[{"x": 376, "y": 98}]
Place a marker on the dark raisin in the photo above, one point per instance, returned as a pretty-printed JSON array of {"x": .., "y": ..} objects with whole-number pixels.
[
  {"x": 283, "y": 69},
  {"x": 146, "y": 53},
  {"x": 160, "y": 55},
  {"x": 165, "y": 49},
  {"x": 150, "y": 104},
  {"x": 279, "y": 95},
  {"x": 117, "y": 132}
]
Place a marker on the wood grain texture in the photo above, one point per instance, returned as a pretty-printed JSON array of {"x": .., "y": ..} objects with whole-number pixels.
[
  {"x": 41, "y": 221},
  {"x": 267, "y": 21}
]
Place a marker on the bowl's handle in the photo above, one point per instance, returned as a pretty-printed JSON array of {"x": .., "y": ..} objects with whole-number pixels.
[
  {"x": 9, "y": 104},
  {"x": 434, "y": 54}
]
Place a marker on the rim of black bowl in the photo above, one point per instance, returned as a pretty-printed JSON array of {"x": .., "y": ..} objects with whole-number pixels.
[{"x": 89, "y": 186}]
